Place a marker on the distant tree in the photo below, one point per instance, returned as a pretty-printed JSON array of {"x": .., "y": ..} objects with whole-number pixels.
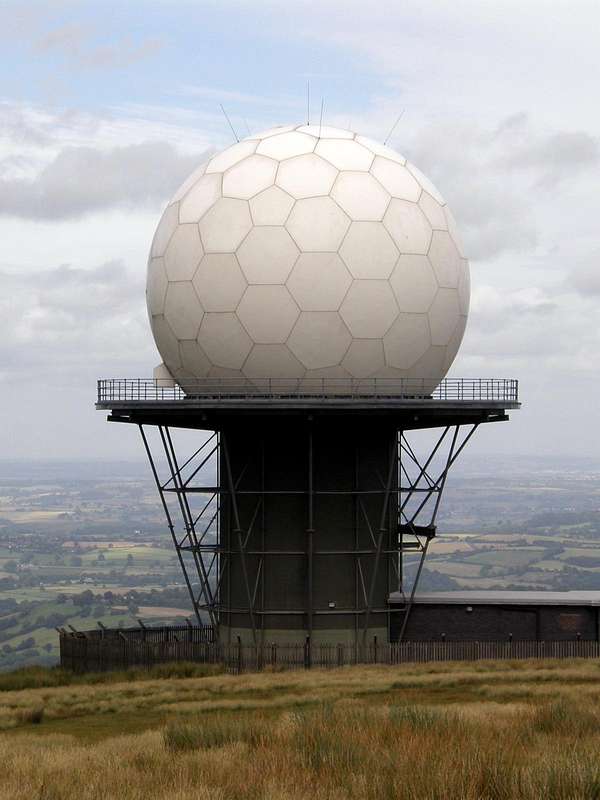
[
  {"x": 76, "y": 561},
  {"x": 26, "y": 644},
  {"x": 11, "y": 566},
  {"x": 48, "y": 647},
  {"x": 101, "y": 557}
]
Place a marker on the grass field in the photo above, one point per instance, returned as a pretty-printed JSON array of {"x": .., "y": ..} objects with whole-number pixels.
[{"x": 525, "y": 730}]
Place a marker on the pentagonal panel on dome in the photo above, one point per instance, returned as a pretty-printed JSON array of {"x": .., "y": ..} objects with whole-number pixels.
[
  {"x": 381, "y": 149},
  {"x": 306, "y": 176},
  {"x": 225, "y": 225},
  {"x": 164, "y": 231},
  {"x": 464, "y": 287},
  {"x": 426, "y": 183},
  {"x": 194, "y": 359},
  {"x": 345, "y": 154},
  {"x": 224, "y": 340},
  {"x": 268, "y": 313},
  {"x": 219, "y": 282},
  {"x": 183, "y": 253},
  {"x": 156, "y": 286},
  {"x": 200, "y": 198},
  {"x": 454, "y": 232},
  {"x": 271, "y": 207},
  {"x": 445, "y": 259},
  {"x": 231, "y": 156},
  {"x": 319, "y": 281},
  {"x": 369, "y": 251},
  {"x": 396, "y": 179},
  {"x": 414, "y": 283},
  {"x": 183, "y": 310},
  {"x": 286, "y": 145},
  {"x": 319, "y": 339},
  {"x": 272, "y": 361},
  {"x": 433, "y": 211},
  {"x": 326, "y": 132},
  {"x": 249, "y": 177},
  {"x": 408, "y": 227},
  {"x": 267, "y": 255},
  {"x": 444, "y": 315},
  {"x": 364, "y": 358},
  {"x": 360, "y": 195},
  {"x": 166, "y": 341},
  {"x": 189, "y": 182},
  {"x": 407, "y": 340},
  {"x": 317, "y": 224},
  {"x": 369, "y": 309}
]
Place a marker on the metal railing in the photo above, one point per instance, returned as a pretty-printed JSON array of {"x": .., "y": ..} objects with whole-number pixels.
[{"x": 221, "y": 389}]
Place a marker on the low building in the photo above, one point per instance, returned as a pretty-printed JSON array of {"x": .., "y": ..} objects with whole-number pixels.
[{"x": 497, "y": 616}]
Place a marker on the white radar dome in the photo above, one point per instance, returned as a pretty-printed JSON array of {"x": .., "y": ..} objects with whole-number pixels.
[{"x": 307, "y": 251}]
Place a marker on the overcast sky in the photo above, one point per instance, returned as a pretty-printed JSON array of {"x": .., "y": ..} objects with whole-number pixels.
[{"x": 105, "y": 108}]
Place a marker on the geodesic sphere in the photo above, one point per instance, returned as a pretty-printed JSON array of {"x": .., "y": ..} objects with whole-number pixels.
[{"x": 304, "y": 251}]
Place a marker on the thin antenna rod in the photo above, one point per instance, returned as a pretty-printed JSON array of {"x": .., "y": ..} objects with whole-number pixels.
[
  {"x": 229, "y": 121},
  {"x": 321, "y": 117},
  {"x": 308, "y": 102},
  {"x": 387, "y": 138}
]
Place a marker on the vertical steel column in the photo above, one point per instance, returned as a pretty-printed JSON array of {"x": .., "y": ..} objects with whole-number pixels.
[{"x": 310, "y": 532}]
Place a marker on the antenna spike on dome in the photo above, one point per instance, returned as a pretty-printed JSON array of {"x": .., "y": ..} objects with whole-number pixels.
[
  {"x": 229, "y": 121},
  {"x": 393, "y": 128}
]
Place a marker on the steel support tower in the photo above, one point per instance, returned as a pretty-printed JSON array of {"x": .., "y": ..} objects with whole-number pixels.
[{"x": 319, "y": 504}]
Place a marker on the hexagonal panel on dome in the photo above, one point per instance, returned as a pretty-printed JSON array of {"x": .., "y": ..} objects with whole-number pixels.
[
  {"x": 319, "y": 281},
  {"x": 286, "y": 145},
  {"x": 194, "y": 359},
  {"x": 268, "y": 313},
  {"x": 379, "y": 149},
  {"x": 219, "y": 282},
  {"x": 345, "y": 154},
  {"x": 433, "y": 211},
  {"x": 326, "y": 132},
  {"x": 200, "y": 198},
  {"x": 369, "y": 251},
  {"x": 232, "y": 155},
  {"x": 407, "y": 340},
  {"x": 317, "y": 224},
  {"x": 425, "y": 183},
  {"x": 267, "y": 255},
  {"x": 306, "y": 176},
  {"x": 319, "y": 339},
  {"x": 224, "y": 340},
  {"x": 189, "y": 182},
  {"x": 249, "y": 177},
  {"x": 444, "y": 316},
  {"x": 225, "y": 225},
  {"x": 414, "y": 283},
  {"x": 156, "y": 286},
  {"x": 360, "y": 195},
  {"x": 183, "y": 253},
  {"x": 396, "y": 179},
  {"x": 464, "y": 287},
  {"x": 445, "y": 259},
  {"x": 164, "y": 231},
  {"x": 167, "y": 342},
  {"x": 183, "y": 310},
  {"x": 453, "y": 230},
  {"x": 364, "y": 358},
  {"x": 453, "y": 345},
  {"x": 408, "y": 227},
  {"x": 271, "y": 207},
  {"x": 430, "y": 367},
  {"x": 369, "y": 309},
  {"x": 272, "y": 361}
]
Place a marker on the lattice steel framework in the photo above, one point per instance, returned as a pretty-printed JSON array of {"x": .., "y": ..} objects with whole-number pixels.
[{"x": 208, "y": 535}]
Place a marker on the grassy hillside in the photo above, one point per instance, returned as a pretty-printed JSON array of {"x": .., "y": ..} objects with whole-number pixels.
[{"x": 495, "y": 730}]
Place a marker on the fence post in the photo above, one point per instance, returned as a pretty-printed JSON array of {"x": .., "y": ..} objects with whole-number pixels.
[
  {"x": 239, "y": 654},
  {"x": 273, "y": 654},
  {"x": 375, "y": 649},
  {"x": 307, "y": 654}
]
